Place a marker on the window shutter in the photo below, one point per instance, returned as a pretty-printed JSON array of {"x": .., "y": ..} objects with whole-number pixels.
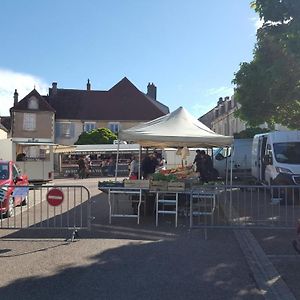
[
  {"x": 57, "y": 130},
  {"x": 72, "y": 130}
]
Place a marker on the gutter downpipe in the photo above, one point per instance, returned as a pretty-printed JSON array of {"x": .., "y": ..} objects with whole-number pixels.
[
  {"x": 230, "y": 192},
  {"x": 117, "y": 161},
  {"x": 140, "y": 158}
]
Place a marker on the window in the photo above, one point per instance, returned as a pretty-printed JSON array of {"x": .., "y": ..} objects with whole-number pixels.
[
  {"x": 37, "y": 152},
  {"x": 33, "y": 103},
  {"x": 29, "y": 122},
  {"x": 114, "y": 126},
  {"x": 66, "y": 129},
  {"x": 88, "y": 126}
]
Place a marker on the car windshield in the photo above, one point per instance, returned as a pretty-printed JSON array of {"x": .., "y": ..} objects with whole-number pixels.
[
  {"x": 288, "y": 153},
  {"x": 4, "y": 171}
]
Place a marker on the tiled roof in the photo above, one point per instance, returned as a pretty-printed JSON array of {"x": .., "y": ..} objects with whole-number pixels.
[
  {"x": 6, "y": 122},
  {"x": 43, "y": 105},
  {"x": 3, "y": 128},
  {"x": 122, "y": 102}
]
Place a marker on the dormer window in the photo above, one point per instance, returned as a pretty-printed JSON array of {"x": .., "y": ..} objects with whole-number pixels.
[{"x": 33, "y": 103}]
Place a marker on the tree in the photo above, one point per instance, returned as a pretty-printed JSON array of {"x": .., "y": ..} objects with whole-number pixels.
[
  {"x": 250, "y": 132},
  {"x": 96, "y": 136},
  {"x": 268, "y": 88}
]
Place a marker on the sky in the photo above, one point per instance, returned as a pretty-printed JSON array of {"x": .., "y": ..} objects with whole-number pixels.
[{"x": 189, "y": 49}]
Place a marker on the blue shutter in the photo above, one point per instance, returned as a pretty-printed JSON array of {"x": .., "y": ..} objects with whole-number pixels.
[
  {"x": 57, "y": 131},
  {"x": 72, "y": 130}
]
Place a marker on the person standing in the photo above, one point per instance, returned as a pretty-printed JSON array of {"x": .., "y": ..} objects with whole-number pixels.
[
  {"x": 197, "y": 161},
  {"x": 205, "y": 166},
  {"x": 81, "y": 168},
  {"x": 88, "y": 166},
  {"x": 111, "y": 167},
  {"x": 133, "y": 168}
]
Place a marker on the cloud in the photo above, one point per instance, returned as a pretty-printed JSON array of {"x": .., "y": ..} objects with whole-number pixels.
[
  {"x": 24, "y": 83},
  {"x": 222, "y": 91}
]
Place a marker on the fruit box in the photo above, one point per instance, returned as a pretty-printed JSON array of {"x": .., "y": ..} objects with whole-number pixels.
[
  {"x": 142, "y": 184},
  {"x": 159, "y": 185},
  {"x": 176, "y": 186}
]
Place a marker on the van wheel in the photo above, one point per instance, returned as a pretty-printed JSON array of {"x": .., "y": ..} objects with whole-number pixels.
[{"x": 10, "y": 211}]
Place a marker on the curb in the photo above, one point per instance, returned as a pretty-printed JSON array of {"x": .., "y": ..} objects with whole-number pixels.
[{"x": 266, "y": 276}]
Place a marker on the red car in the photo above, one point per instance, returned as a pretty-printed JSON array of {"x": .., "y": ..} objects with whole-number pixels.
[{"x": 13, "y": 190}]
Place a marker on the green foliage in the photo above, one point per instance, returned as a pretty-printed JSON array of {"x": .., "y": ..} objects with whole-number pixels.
[
  {"x": 268, "y": 88},
  {"x": 96, "y": 136},
  {"x": 250, "y": 132},
  {"x": 164, "y": 177}
]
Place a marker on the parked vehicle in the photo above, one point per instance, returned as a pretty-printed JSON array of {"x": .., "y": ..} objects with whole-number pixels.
[
  {"x": 13, "y": 187},
  {"x": 276, "y": 158},
  {"x": 240, "y": 153}
]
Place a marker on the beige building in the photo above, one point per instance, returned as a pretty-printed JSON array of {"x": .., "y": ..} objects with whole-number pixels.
[
  {"x": 3, "y": 132},
  {"x": 221, "y": 119}
]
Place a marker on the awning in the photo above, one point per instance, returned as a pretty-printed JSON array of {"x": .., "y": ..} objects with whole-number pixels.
[
  {"x": 64, "y": 149},
  {"x": 35, "y": 144}
]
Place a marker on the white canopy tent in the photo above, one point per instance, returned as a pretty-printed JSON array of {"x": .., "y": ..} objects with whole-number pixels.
[{"x": 176, "y": 129}]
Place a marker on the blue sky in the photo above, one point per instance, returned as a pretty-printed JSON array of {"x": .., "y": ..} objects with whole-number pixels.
[{"x": 188, "y": 49}]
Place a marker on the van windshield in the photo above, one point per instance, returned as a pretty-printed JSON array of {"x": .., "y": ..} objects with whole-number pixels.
[{"x": 288, "y": 153}]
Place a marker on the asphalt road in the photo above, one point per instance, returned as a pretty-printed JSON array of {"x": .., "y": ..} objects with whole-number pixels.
[{"x": 129, "y": 261}]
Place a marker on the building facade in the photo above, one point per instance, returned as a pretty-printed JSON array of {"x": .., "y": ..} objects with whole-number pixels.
[
  {"x": 62, "y": 115},
  {"x": 221, "y": 119}
]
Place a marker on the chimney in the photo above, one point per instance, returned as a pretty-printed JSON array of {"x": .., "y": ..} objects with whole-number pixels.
[
  {"x": 220, "y": 101},
  {"x": 54, "y": 88},
  {"x": 88, "y": 85},
  {"x": 151, "y": 90},
  {"x": 16, "y": 95}
]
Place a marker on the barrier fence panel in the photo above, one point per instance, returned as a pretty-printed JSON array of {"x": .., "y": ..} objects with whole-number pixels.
[
  {"x": 45, "y": 206},
  {"x": 246, "y": 206}
]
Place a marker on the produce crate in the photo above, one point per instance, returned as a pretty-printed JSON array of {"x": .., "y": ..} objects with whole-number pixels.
[
  {"x": 106, "y": 184},
  {"x": 143, "y": 184},
  {"x": 159, "y": 185},
  {"x": 176, "y": 186}
]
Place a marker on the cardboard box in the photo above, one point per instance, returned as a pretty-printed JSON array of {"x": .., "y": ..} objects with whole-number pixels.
[
  {"x": 176, "y": 186},
  {"x": 157, "y": 185},
  {"x": 142, "y": 184}
]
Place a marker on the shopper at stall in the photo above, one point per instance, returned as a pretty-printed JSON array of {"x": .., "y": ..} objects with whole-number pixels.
[
  {"x": 111, "y": 167},
  {"x": 133, "y": 168},
  {"x": 81, "y": 168},
  {"x": 197, "y": 160},
  {"x": 88, "y": 165},
  {"x": 203, "y": 165}
]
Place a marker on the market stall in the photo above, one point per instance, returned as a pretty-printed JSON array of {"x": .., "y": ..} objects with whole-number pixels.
[{"x": 176, "y": 129}]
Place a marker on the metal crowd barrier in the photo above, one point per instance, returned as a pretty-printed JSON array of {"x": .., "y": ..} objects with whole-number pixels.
[
  {"x": 249, "y": 206},
  {"x": 45, "y": 207}
]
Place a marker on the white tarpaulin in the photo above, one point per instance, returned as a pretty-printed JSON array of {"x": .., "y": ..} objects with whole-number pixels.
[{"x": 176, "y": 129}]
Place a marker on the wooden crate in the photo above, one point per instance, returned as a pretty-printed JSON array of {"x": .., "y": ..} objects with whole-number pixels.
[
  {"x": 142, "y": 184},
  {"x": 176, "y": 186},
  {"x": 157, "y": 185}
]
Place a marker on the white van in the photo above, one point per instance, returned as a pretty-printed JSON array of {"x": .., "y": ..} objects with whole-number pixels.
[
  {"x": 276, "y": 158},
  {"x": 240, "y": 153}
]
